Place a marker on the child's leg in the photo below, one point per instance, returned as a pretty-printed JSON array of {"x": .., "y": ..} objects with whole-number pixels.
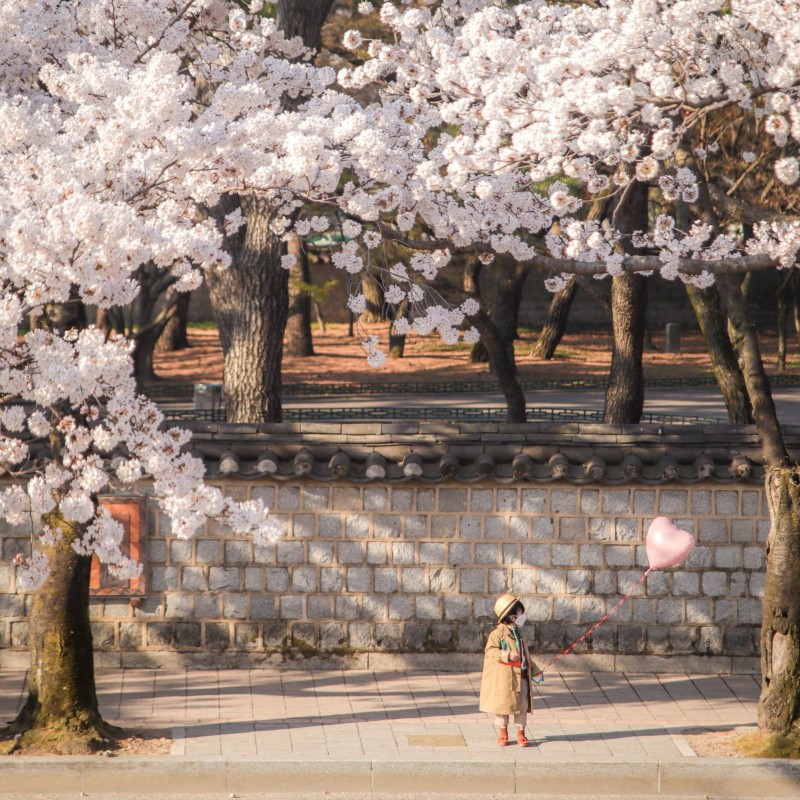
[
  {"x": 501, "y": 721},
  {"x": 521, "y": 719}
]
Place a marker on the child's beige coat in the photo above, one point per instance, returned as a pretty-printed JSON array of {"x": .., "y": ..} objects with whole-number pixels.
[{"x": 500, "y": 684}]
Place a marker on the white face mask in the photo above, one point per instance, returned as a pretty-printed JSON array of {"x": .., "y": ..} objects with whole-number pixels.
[{"x": 520, "y": 621}]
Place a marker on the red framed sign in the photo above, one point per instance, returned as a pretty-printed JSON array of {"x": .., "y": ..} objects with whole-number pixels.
[{"x": 131, "y": 512}]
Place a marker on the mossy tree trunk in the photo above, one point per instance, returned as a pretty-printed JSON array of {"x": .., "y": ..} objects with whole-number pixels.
[
  {"x": 779, "y": 703},
  {"x": 557, "y": 316},
  {"x": 61, "y": 714}
]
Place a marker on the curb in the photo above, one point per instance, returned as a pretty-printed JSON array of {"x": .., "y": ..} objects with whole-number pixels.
[{"x": 721, "y": 778}]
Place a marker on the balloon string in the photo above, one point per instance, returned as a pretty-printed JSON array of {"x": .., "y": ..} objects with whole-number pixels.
[{"x": 595, "y": 626}]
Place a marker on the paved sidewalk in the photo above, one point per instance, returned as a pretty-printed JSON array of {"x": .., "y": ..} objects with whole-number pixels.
[
  {"x": 355, "y": 714},
  {"x": 364, "y": 733}
]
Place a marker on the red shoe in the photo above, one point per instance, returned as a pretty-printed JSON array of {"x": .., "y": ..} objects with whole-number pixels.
[
  {"x": 502, "y": 737},
  {"x": 521, "y": 740}
]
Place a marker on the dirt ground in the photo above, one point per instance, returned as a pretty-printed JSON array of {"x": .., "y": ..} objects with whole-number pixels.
[
  {"x": 717, "y": 744},
  {"x": 339, "y": 358}
]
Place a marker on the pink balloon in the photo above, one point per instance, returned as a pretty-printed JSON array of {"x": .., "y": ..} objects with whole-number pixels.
[{"x": 666, "y": 544}]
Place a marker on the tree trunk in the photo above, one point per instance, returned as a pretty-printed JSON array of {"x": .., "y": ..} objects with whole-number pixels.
[
  {"x": 372, "y": 290},
  {"x": 624, "y": 399},
  {"x": 250, "y": 301},
  {"x": 298, "y": 341},
  {"x": 557, "y": 316},
  {"x": 714, "y": 327},
  {"x": 304, "y": 18},
  {"x": 786, "y": 294},
  {"x": 174, "y": 336},
  {"x": 779, "y": 703},
  {"x": 61, "y": 713},
  {"x": 397, "y": 341}
]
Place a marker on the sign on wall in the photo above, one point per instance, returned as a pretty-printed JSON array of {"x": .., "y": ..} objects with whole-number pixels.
[{"x": 131, "y": 512}]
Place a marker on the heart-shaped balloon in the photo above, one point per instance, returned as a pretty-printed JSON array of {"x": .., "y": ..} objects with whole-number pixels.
[{"x": 666, "y": 544}]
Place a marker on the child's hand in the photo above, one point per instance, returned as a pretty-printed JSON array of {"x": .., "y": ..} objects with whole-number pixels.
[{"x": 513, "y": 656}]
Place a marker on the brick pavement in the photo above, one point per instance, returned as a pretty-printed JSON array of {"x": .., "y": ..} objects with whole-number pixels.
[{"x": 389, "y": 715}]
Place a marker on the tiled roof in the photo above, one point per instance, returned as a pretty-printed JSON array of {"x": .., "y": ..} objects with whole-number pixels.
[{"x": 432, "y": 452}]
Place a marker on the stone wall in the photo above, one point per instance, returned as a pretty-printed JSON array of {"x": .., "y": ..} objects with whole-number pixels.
[{"x": 412, "y": 568}]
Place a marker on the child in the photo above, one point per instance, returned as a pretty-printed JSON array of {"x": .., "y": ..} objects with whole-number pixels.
[{"x": 506, "y": 686}]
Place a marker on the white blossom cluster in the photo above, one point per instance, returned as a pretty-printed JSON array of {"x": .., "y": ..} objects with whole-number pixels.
[{"x": 603, "y": 93}]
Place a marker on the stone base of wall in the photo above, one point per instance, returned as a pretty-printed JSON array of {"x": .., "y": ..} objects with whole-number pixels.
[{"x": 405, "y": 662}]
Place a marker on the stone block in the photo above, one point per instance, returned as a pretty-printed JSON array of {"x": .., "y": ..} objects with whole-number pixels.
[
  {"x": 452, "y": 499},
  {"x": 459, "y": 553},
  {"x": 315, "y": 498},
  {"x": 626, "y": 529},
  {"x": 518, "y": 527},
  {"x": 235, "y": 606},
  {"x": 751, "y": 503},
  {"x": 627, "y": 580},
  {"x": 631, "y": 639},
  {"x": 359, "y": 635},
  {"x": 710, "y": 641},
  {"x": 224, "y": 579},
  {"x": 472, "y": 581},
  {"x": 156, "y": 550},
  {"x": 481, "y": 500},
  {"x": 618, "y": 555},
  {"x": 431, "y": 553},
  {"x": 290, "y": 552},
  {"x": 589, "y": 555},
  {"x": 303, "y": 526},
  {"x": 179, "y": 606},
  {"x": 534, "y": 501},
  {"x": 193, "y": 579},
  {"x": 428, "y": 607},
  {"x": 699, "y": 611},
  {"x": 291, "y": 607},
  {"x": 643, "y": 610},
  {"x": 442, "y": 580},
  {"x": 401, "y": 607},
  {"x": 507, "y": 499},
  {"x": 388, "y": 636},
  {"x": 673, "y": 501},
  {"x": 264, "y": 493},
  {"x": 579, "y": 581},
  {"x": 683, "y": 638},
  {"x": 130, "y": 635},
  {"x": 345, "y": 607},
  {"x": 757, "y": 584},
  {"x": 470, "y": 527},
  {"x": 350, "y": 553},
  {"x": 246, "y": 636},
  {"x": 377, "y": 553},
  {"x": 565, "y": 609},
  {"x": 456, "y": 608},
  {"x": 180, "y": 552},
  {"x": 415, "y": 635},
  {"x": 331, "y": 635},
  {"x": 495, "y": 527},
  {"x": 522, "y": 581},
  {"x": 443, "y": 526},
  {"x": 276, "y": 579},
  {"x": 605, "y": 581},
  {"x": 426, "y": 500},
  {"x": 712, "y": 530},
  {"x": 738, "y": 584},
  {"x": 487, "y": 553},
  {"x": 356, "y": 526},
  {"x": 700, "y": 502},
  {"x": 359, "y": 579},
  {"x": 403, "y": 553},
  {"x": 386, "y": 526},
  {"x": 715, "y": 584},
  {"x": 753, "y": 558},
  {"x": 403, "y": 499},
  {"x": 263, "y": 607},
  {"x": 562, "y": 555},
  {"x": 331, "y": 579},
  {"x": 276, "y": 634},
  {"x": 657, "y": 638},
  {"x": 644, "y": 501},
  {"x": 376, "y": 499},
  {"x": 743, "y": 531},
  {"x": 563, "y": 501},
  {"x": 163, "y": 579},
  {"x": 726, "y": 503},
  {"x": 373, "y": 608},
  {"x": 616, "y": 501},
  {"x": 304, "y": 579},
  {"x": 572, "y": 529},
  {"x": 686, "y": 583},
  {"x": 320, "y": 552},
  {"x": 288, "y": 498},
  {"x": 724, "y": 611},
  {"x": 499, "y": 581},
  {"x": 728, "y": 557},
  {"x": 510, "y": 555},
  {"x": 386, "y": 580},
  {"x": 160, "y": 634},
  {"x": 589, "y": 501},
  {"x": 600, "y": 529},
  {"x": 543, "y": 528},
  {"x": 209, "y": 551},
  {"x": 749, "y": 612},
  {"x": 536, "y": 554},
  {"x": 591, "y": 609},
  {"x": 412, "y": 580},
  {"x": 737, "y": 640},
  {"x": 346, "y": 499},
  {"x": 208, "y": 606},
  {"x": 549, "y": 581},
  {"x": 330, "y": 526},
  {"x": 699, "y": 557}
]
